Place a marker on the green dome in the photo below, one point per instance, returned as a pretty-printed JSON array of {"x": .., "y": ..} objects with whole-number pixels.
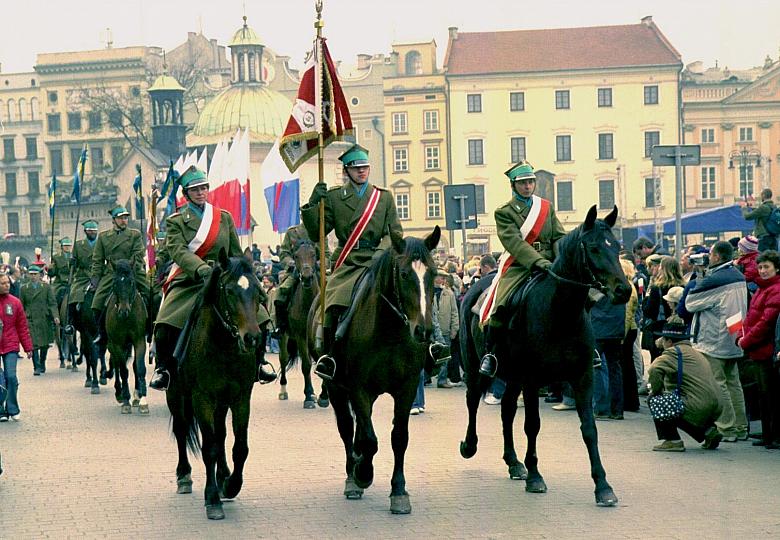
[
  {"x": 165, "y": 82},
  {"x": 263, "y": 111},
  {"x": 245, "y": 36}
]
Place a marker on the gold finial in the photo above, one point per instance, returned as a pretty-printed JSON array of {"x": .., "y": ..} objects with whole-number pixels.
[
  {"x": 319, "y": 23},
  {"x": 244, "y": 21}
]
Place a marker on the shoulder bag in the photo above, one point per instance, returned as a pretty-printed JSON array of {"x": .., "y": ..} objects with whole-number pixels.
[{"x": 669, "y": 405}]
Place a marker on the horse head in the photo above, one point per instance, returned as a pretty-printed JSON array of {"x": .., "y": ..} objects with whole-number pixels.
[
  {"x": 305, "y": 261},
  {"x": 233, "y": 292},
  {"x": 600, "y": 249},
  {"x": 124, "y": 287}
]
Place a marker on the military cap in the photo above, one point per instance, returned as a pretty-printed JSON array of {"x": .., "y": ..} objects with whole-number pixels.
[
  {"x": 34, "y": 269},
  {"x": 118, "y": 211},
  {"x": 66, "y": 241},
  {"x": 356, "y": 156},
  {"x": 161, "y": 235},
  {"x": 520, "y": 171},
  {"x": 193, "y": 177},
  {"x": 90, "y": 225}
]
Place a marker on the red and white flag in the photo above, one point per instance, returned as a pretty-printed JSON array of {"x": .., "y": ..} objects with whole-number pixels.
[
  {"x": 319, "y": 107},
  {"x": 734, "y": 323}
]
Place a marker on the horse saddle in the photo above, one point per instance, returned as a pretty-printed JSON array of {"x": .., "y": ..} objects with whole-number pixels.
[
  {"x": 517, "y": 297},
  {"x": 357, "y": 295}
]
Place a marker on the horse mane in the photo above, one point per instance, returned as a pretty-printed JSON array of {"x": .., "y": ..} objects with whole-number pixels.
[
  {"x": 123, "y": 268},
  {"x": 568, "y": 261},
  {"x": 381, "y": 272}
]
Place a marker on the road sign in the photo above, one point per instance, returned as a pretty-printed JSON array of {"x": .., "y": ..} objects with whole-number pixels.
[
  {"x": 460, "y": 207},
  {"x": 664, "y": 156}
]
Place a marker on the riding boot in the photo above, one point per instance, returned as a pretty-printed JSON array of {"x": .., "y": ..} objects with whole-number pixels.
[
  {"x": 265, "y": 371},
  {"x": 282, "y": 323},
  {"x": 98, "y": 314},
  {"x": 325, "y": 367},
  {"x": 489, "y": 361},
  {"x": 164, "y": 344}
]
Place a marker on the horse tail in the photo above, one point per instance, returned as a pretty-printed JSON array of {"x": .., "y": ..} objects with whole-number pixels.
[{"x": 192, "y": 437}]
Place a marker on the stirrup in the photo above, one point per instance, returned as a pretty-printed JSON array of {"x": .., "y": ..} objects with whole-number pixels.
[
  {"x": 264, "y": 377},
  {"x": 160, "y": 380},
  {"x": 323, "y": 367},
  {"x": 489, "y": 365}
]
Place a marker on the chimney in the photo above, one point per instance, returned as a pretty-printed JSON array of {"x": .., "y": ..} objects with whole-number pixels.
[
  {"x": 363, "y": 61},
  {"x": 453, "y": 30},
  {"x": 647, "y": 20}
]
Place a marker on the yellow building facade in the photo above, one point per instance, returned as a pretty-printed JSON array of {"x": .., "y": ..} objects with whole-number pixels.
[{"x": 585, "y": 115}]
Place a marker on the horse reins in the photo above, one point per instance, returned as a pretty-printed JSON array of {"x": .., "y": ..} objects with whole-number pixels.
[
  {"x": 594, "y": 284},
  {"x": 394, "y": 307},
  {"x": 225, "y": 319}
]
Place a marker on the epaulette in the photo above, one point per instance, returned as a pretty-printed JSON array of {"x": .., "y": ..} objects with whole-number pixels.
[
  {"x": 173, "y": 215},
  {"x": 380, "y": 188}
]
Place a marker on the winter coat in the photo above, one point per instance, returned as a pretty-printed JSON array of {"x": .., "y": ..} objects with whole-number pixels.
[
  {"x": 448, "y": 312},
  {"x": 111, "y": 247},
  {"x": 719, "y": 295},
  {"x": 747, "y": 265},
  {"x": 631, "y": 311},
  {"x": 41, "y": 310},
  {"x": 608, "y": 320},
  {"x": 15, "y": 330},
  {"x": 760, "y": 215},
  {"x": 759, "y": 326}
]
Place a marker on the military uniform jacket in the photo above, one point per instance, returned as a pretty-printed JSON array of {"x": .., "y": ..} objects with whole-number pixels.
[
  {"x": 162, "y": 258},
  {"x": 509, "y": 218},
  {"x": 41, "y": 310},
  {"x": 112, "y": 246},
  {"x": 295, "y": 234},
  {"x": 59, "y": 271},
  {"x": 343, "y": 209},
  {"x": 183, "y": 290},
  {"x": 82, "y": 267}
]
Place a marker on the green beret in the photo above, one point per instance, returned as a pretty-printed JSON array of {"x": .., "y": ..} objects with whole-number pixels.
[
  {"x": 193, "y": 177},
  {"x": 90, "y": 225},
  {"x": 161, "y": 235},
  {"x": 520, "y": 171},
  {"x": 357, "y": 156},
  {"x": 118, "y": 211},
  {"x": 66, "y": 241}
]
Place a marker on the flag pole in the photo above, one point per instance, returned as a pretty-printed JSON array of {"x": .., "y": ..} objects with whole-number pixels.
[
  {"x": 52, "y": 214},
  {"x": 82, "y": 163},
  {"x": 318, "y": 24}
]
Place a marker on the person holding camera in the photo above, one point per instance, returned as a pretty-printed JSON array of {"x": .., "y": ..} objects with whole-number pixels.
[{"x": 761, "y": 215}]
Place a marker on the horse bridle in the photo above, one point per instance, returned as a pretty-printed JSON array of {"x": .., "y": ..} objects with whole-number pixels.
[
  {"x": 394, "y": 307},
  {"x": 595, "y": 283},
  {"x": 225, "y": 319}
]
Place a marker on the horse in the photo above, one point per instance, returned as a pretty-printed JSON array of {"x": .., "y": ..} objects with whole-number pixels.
[
  {"x": 216, "y": 373},
  {"x": 293, "y": 344},
  {"x": 382, "y": 352},
  {"x": 126, "y": 329},
  {"x": 549, "y": 339},
  {"x": 65, "y": 345},
  {"x": 81, "y": 319}
]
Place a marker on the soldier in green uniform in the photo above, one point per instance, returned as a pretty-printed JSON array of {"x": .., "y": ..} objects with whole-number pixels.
[
  {"x": 161, "y": 268},
  {"x": 527, "y": 257},
  {"x": 344, "y": 205},
  {"x": 59, "y": 274},
  {"x": 38, "y": 301},
  {"x": 295, "y": 234},
  {"x": 82, "y": 266},
  {"x": 183, "y": 289}
]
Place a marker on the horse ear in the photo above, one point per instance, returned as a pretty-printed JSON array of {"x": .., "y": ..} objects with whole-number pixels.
[
  {"x": 591, "y": 218},
  {"x": 611, "y": 217},
  {"x": 432, "y": 240},
  {"x": 223, "y": 258},
  {"x": 398, "y": 245}
]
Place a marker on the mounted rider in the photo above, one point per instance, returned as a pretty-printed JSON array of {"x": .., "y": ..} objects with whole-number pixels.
[
  {"x": 196, "y": 234},
  {"x": 362, "y": 215},
  {"x": 82, "y": 268},
  {"x": 59, "y": 269},
  {"x": 528, "y": 229}
]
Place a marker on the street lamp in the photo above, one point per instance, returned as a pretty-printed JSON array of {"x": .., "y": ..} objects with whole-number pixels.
[{"x": 745, "y": 159}]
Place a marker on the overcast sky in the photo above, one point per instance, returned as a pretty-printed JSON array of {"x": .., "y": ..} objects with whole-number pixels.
[{"x": 737, "y": 34}]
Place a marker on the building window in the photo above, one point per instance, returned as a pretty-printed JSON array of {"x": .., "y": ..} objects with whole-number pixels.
[
  {"x": 432, "y": 158},
  {"x": 746, "y": 181},
  {"x": 95, "y": 120},
  {"x": 137, "y": 117},
  {"x": 652, "y": 192},
  {"x": 651, "y": 95},
  {"x": 476, "y": 156},
  {"x": 433, "y": 204},
  {"x": 35, "y": 223},
  {"x": 605, "y": 97},
  {"x": 33, "y": 183},
  {"x": 399, "y": 123},
  {"x": 708, "y": 183},
  {"x": 413, "y": 63},
  {"x": 564, "y": 201},
  {"x": 652, "y": 138},
  {"x": 10, "y": 184},
  {"x": 74, "y": 121},
  {"x": 746, "y": 134},
  {"x": 32, "y": 147},
  {"x": 13, "y": 222},
  {"x": 400, "y": 160},
  {"x": 9, "y": 153},
  {"x": 606, "y": 148},
  {"x": 606, "y": 194},
  {"x": 474, "y": 103},
  {"x": 53, "y": 123},
  {"x": 562, "y": 99},
  {"x": 115, "y": 119},
  {"x": 516, "y": 149},
  {"x": 117, "y": 153},
  {"x": 402, "y": 205},
  {"x": 431, "y": 119},
  {"x": 97, "y": 158},
  {"x": 516, "y": 101},
  {"x": 708, "y": 135},
  {"x": 563, "y": 148},
  {"x": 75, "y": 155},
  {"x": 55, "y": 156},
  {"x": 52, "y": 97}
]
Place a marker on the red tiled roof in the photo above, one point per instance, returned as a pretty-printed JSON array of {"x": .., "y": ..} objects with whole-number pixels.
[{"x": 559, "y": 49}]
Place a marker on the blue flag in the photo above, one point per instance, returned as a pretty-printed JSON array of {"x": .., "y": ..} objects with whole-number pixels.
[
  {"x": 78, "y": 177},
  {"x": 52, "y": 195},
  {"x": 139, "y": 199},
  {"x": 169, "y": 189}
]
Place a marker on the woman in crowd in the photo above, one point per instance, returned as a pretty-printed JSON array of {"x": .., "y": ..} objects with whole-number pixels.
[
  {"x": 655, "y": 309},
  {"x": 757, "y": 339},
  {"x": 630, "y": 387}
]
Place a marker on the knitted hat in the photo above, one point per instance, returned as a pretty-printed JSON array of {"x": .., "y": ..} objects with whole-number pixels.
[
  {"x": 748, "y": 244},
  {"x": 674, "y": 294}
]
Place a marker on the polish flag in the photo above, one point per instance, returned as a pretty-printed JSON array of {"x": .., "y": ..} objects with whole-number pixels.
[{"x": 734, "y": 323}]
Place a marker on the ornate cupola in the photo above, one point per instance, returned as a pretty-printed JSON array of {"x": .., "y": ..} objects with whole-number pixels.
[
  {"x": 246, "y": 54},
  {"x": 168, "y": 129}
]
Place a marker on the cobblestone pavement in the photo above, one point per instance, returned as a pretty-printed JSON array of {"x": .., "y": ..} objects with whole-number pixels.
[{"x": 75, "y": 467}]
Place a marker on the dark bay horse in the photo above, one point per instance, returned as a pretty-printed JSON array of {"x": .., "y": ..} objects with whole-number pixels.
[
  {"x": 383, "y": 352},
  {"x": 293, "y": 345},
  {"x": 216, "y": 374},
  {"x": 81, "y": 319},
  {"x": 549, "y": 339},
  {"x": 126, "y": 331}
]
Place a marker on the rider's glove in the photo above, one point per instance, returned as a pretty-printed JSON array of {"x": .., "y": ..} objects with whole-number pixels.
[
  {"x": 543, "y": 265},
  {"x": 204, "y": 272},
  {"x": 318, "y": 193}
]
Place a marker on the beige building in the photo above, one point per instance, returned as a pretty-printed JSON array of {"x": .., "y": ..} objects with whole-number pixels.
[{"x": 584, "y": 104}]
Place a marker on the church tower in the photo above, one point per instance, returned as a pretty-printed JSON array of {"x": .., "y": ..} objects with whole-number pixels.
[{"x": 168, "y": 129}]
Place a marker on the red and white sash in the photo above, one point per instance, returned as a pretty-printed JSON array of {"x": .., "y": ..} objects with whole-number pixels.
[
  {"x": 529, "y": 230},
  {"x": 205, "y": 238},
  {"x": 373, "y": 200}
]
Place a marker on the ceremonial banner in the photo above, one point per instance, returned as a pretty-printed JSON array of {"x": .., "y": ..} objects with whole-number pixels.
[{"x": 282, "y": 191}]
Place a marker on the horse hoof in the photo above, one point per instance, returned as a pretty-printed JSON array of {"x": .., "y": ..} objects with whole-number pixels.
[
  {"x": 400, "y": 504},
  {"x": 136, "y": 402},
  {"x": 95, "y": 390},
  {"x": 232, "y": 487},
  {"x": 74, "y": 369},
  {"x": 88, "y": 383},
  {"x": 126, "y": 408},
  {"x": 309, "y": 404},
  {"x": 184, "y": 484},
  {"x": 536, "y": 485},
  {"x": 606, "y": 497},
  {"x": 518, "y": 472},
  {"x": 466, "y": 450},
  {"x": 214, "y": 511},
  {"x": 363, "y": 483},
  {"x": 283, "y": 396},
  {"x": 103, "y": 381},
  {"x": 324, "y": 403},
  {"x": 351, "y": 490},
  {"x": 143, "y": 409}
]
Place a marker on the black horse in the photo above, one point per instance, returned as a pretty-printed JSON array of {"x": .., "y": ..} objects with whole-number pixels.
[
  {"x": 216, "y": 374},
  {"x": 79, "y": 319},
  {"x": 382, "y": 352},
  {"x": 549, "y": 339}
]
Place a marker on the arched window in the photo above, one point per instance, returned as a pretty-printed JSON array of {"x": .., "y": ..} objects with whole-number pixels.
[
  {"x": 413, "y": 63},
  {"x": 2, "y": 111},
  {"x": 240, "y": 67},
  {"x": 12, "y": 112},
  {"x": 251, "y": 61},
  {"x": 23, "y": 112},
  {"x": 34, "y": 110}
]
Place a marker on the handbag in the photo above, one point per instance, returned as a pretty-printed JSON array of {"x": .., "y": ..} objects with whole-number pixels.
[{"x": 669, "y": 405}]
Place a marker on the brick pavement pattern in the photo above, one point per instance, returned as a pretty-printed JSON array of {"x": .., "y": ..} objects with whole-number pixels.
[{"x": 75, "y": 468}]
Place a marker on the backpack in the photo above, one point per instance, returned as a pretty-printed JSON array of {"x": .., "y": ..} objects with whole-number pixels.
[{"x": 772, "y": 223}]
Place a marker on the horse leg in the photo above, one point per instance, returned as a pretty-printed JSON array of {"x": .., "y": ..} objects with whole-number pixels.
[
  {"x": 140, "y": 375},
  {"x": 399, "y": 498},
  {"x": 534, "y": 483},
  {"x": 583, "y": 395},
  {"x": 91, "y": 353},
  {"x": 308, "y": 387},
  {"x": 240, "y": 414},
  {"x": 178, "y": 411},
  {"x": 124, "y": 372},
  {"x": 366, "y": 444},
  {"x": 517, "y": 470},
  {"x": 346, "y": 427},
  {"x": 283, "y": 395},
  {"x": 210, "y": 453},
  {"x": 468, "y": 446},
  {"x": 220, "y": 434}
]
